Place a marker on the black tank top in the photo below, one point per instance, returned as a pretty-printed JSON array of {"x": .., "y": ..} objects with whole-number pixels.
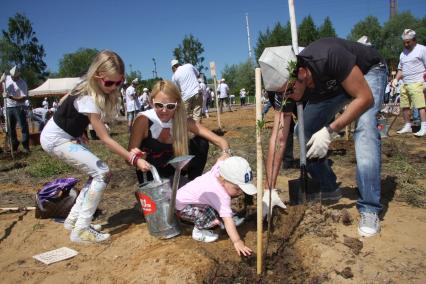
[{"x": 158, "y": 154}]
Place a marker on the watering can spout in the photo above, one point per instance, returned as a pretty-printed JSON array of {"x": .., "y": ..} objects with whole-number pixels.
[{"x": 178, "y": 163}]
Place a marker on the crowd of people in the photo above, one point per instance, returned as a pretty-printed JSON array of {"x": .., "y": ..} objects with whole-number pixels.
[{"x": 165, "y": 123}]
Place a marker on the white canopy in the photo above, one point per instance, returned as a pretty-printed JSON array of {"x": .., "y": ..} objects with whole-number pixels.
[{"x": 55, "y": 87}]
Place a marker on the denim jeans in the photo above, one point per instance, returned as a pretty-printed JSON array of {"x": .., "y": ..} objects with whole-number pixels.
[
  {"x": 18, "y": 115},
  {"x": 367, "y": 142}
]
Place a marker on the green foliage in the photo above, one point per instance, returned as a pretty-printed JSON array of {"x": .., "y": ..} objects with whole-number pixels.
[
  {"x": 19, "y": 46},
  {"x": 370, "y": 27},
  {"x": 391, "y": 46},
  {"x": 307, "y": 31},
  {"x": 278, "y": 36},
  {"x": 77, "y": 63},
  {"x": 240, "y": 76},
  {"x": 326, "y": 29},
  {"x": 190, "y": 51}
]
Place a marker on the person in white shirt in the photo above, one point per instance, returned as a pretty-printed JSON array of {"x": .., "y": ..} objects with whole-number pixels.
[
  {"x": 16, "y": 94},
  {"x": 185, "y": 77},
  {"x": 243, "y": 95},
  {"x": 223, "y": 91},
  {"x": 144, "y": 100},
  {"x": 203, "y": 90},
  {"x": 45, "y": 104},
  {"x": 411, "y": 68},
  {"x": 132, "y": 103}
]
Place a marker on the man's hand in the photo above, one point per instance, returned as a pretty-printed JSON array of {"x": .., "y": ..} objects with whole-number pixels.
[
  {"x": 319, "y": 144},
  {"x": 275, "y": 201}
]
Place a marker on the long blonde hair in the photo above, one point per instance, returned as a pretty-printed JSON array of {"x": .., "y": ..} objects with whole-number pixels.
[
  {"x": 107, "y": 62},
  {"x": 179, "y": 129}
]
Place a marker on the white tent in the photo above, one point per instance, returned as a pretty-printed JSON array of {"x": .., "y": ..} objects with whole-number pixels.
[{"x": 55, "y": 87}]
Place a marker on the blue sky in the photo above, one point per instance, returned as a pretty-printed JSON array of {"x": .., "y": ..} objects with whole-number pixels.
[{"x": 142, "y": 30}]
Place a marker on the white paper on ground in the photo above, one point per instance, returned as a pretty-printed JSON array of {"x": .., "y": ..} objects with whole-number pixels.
[{"x": 56, "y": 255}]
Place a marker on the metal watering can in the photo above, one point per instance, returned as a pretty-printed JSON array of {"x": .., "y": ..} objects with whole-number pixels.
[{"x": 158, "y": 201}]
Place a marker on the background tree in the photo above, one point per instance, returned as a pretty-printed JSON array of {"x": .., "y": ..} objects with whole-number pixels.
[
  {"x": 20, "y": 46},
  {"x": 326, "y": 29},
  {"x": 370, "y": 27},
  {"x": 77, "y": 63},
  {"x": 307, "y": 31},
  {"x": 278, "y": 36},
  {"x": 240, "y": 76},
  {"x": 391, "y": 34},
  {"x": 190, "y": 51}
]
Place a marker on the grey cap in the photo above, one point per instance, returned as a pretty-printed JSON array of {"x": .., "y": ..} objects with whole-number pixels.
[
  {"x": 174, "y": 62},
  {"x": 408, "y": 34},
  {"x": 135, "y": 81},
  {"x": 14, "y": 71},
  {"x": 273, "y": 65},
  {"x": 364, "y": 40}
]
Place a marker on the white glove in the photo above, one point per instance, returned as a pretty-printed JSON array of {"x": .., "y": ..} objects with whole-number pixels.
[
  {"x": 394, "y": 82},
  {"x": 319, "y": 144},
  {"x": 275, "y": 201}
]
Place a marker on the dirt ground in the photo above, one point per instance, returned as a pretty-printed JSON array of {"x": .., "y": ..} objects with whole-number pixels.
[{"x": 317, "y": 243}]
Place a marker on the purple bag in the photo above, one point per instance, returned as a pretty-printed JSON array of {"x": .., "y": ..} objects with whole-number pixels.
[{"x": 56, "y": 198}]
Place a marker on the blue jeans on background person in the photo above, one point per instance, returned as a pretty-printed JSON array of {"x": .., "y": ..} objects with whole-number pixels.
[
  {"x": 18, "y": 115},
  {"x": 367, "y": 142},
  {"x": 266, "y": 108},
  {"x": 416, "y": 115}
]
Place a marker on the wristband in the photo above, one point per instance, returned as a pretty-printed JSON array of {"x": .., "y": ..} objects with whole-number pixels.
[{"x": 227, "y": 151}]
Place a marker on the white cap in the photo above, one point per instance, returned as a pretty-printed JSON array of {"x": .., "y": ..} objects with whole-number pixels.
[
  {"x": 364, "y": 40},
  {"x": 3, "y": 77},
  {"x": 14, "y": 71},
  {"x": 243, "y": 89},
  {"x": 408, "y": 34},
  {"x": 273, "y": 65},
  {"x": 135, "y": 81},
  {"x": 237, "y": 170},
  {"x": 222, "y": 80},
  {"x": 174, "y": 62},
  {"x": 145, "y": 89}
]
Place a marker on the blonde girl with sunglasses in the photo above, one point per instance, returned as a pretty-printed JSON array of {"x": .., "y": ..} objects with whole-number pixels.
[
  {"x": 94, "y": 100},
  {"x": 162, "y": 134}
]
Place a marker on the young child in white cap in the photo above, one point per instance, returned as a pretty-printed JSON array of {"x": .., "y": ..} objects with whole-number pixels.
[{"x": 206, "y": 201}]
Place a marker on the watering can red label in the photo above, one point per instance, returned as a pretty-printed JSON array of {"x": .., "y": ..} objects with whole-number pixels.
[{"x": 148, "y": 205}]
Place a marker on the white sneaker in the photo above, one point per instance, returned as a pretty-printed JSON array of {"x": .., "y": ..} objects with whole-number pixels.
[
  {"x": 69, "y": 225},
  {"x": 420, "y": 133},
  {"x": 237, "y": 221},
  {"x": 88, "y": 235},
  {"x": 206, "y": 236},
  {"x": 405, "y": 129},
  {"x": 369, "y": 224}
]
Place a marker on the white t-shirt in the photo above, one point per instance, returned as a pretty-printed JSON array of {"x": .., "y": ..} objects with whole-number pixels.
[
  {"x": 185, "y": 77},
  {"x": 413, "y": 64},
  {"x": 223, "y": 89},
  {"x": 16, "y": 88},
  {"x": 45, "y": 104},
  {"x": 132, "y": 104},
  {"x": 243, "y": 94},
  {"x": 52, "y": 135}
]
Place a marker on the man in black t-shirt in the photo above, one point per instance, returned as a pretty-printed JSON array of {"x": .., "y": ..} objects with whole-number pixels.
[{"x": 329, "y": 74}]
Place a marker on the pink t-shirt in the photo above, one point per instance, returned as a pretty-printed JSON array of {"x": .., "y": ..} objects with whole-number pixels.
[{"x": 206, "y": 190}]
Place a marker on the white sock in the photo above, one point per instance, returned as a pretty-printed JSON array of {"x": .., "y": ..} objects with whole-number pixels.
[{"x": 423, "y": 125}]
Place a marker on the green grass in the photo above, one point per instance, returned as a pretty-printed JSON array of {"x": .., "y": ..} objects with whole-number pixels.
[{"x": 407, "y": 173}]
